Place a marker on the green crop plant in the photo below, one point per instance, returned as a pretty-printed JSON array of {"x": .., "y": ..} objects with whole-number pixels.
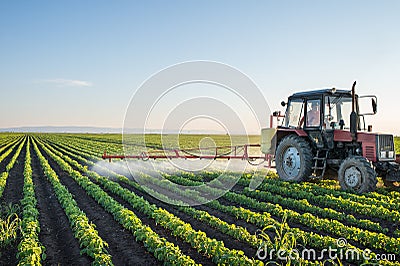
[{"x": 9, "y": 228}]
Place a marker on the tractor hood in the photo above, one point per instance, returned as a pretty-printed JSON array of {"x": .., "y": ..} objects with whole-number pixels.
[{"x": 375, "y": 146}]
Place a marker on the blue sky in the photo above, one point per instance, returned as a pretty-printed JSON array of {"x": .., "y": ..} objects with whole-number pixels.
[{"x": 79, "y": 62}]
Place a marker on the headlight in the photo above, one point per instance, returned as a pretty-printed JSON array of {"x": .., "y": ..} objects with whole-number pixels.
[
  {"x": 391, "y": 154},
  {"x": 383, "y": 154}
]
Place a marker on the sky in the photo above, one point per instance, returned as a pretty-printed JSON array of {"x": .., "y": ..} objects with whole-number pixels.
[{"x": 78, "y": 63}]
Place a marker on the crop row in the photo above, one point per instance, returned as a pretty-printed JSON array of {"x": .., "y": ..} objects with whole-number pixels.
[
  {"x": 30, "y": 250},
  {"x": 84, "y": 231}
]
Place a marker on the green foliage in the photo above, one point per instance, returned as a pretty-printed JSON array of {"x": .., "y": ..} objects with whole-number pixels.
[
  {"x": 284, "y": 241},
  {"x": 9, "y": 224},
  {"x": 30, "y": 250},
  {"x": 9, "y": 209}
]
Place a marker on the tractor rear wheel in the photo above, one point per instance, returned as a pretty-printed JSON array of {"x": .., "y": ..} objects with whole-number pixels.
[
  {"x": 294, "y": 159},
  {"x": 356, "y": 174}
]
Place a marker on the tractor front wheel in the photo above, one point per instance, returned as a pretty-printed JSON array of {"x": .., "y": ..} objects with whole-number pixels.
[
  {"x": 294, "y": 159},
  {"x": 356, "y": 174}
]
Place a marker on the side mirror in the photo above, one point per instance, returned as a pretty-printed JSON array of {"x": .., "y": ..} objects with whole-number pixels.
[
  {"x": 374, "y": 106},
  {"x": 283, "y": 103}
]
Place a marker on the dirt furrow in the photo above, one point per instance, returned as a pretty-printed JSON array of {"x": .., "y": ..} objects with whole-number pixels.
[{"x": 55, "y": 234}]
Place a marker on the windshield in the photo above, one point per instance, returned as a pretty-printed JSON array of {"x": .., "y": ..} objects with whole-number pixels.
[{"x": 337, "y": 108}]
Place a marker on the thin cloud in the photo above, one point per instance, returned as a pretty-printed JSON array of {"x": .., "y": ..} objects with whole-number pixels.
[{"x": 67, "y": 82}]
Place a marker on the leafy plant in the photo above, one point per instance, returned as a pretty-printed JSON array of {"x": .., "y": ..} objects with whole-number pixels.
[
  {"x": 9, "y": 228},
  {"x": 9, "y": 209},
  {"x": 284, "y": 242}
]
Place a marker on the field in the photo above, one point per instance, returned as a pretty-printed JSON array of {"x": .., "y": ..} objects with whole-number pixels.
[{"x": 61, "y": 204}]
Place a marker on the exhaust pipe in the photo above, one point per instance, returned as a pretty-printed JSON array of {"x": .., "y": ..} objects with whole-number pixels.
[{"x": 353, "y": 115}]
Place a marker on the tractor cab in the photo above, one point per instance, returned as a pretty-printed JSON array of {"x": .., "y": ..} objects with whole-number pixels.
[
  {"x": 323, "y": 133},
  {"x": 325, "y": 109},
  {"x": 321, "y": 109},
  {"x": 320, "y": 112}
]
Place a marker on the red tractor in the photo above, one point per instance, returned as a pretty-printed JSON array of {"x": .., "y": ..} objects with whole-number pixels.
[{"x": 323, "y": 134}]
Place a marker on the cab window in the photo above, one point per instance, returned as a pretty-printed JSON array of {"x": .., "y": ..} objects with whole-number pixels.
[
  {"x": 294, "y": 113},
  {"x": 337, "y": 112},
  {"x": 313, "y": 117}
]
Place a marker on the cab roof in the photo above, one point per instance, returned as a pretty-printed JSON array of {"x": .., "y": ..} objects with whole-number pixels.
[{"x": 304, "y": 94}]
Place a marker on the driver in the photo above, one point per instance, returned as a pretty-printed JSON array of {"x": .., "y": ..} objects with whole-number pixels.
[{"x": 313, "y": 116}]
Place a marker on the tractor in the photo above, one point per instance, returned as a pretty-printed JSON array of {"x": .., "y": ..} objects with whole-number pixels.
[{"x": 323, "y": 134}]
